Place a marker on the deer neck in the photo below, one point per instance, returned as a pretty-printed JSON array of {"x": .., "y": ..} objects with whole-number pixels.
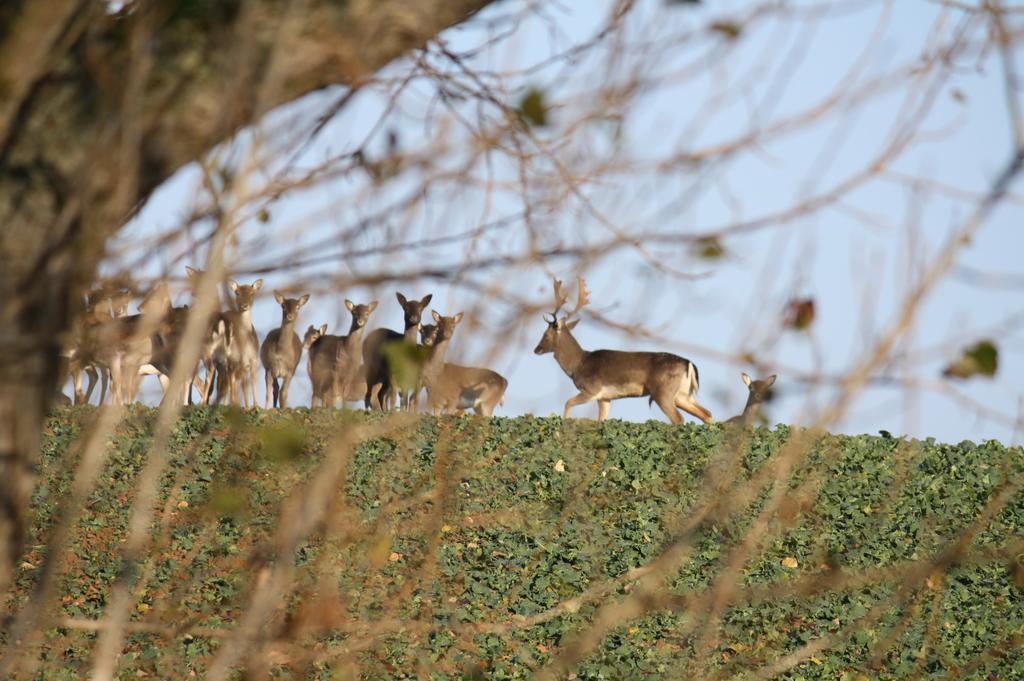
[
  {"x": 434, "y": 365},
  {"x": 410, "y": 333},
  {"x": 284, "y": 339},
  {"x": 354, "y": 339},
  {"x": 751, "y": 408},
  {"x": 569, "y": 354},
  {"x": 245, "y": 318}
]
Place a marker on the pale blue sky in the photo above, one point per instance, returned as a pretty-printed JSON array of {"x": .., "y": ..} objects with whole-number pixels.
[{"x": 853, "y": 257}]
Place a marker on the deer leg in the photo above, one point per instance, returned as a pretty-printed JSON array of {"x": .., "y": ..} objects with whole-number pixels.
[
  {"x": 104, "y": 385},
  {"x": 254, "y": 374},
  {"x": 285, "y": 382},
  {"x": 668, "y": 405},
  {"x": 575, "y": 400},
  {"x": 92, "y": 374},
  {"x": 604, "y": 407},
  {"x": 208, "y": 380},
  {"x": 76, "y": 380},
  {"x": 116, "y": 394},
  {"x": 694, "y": 409},
  {"x": 271, "y": 385}
]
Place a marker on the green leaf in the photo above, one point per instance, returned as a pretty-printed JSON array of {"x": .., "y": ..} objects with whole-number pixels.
[
  {"x": 729, "y": 29},
  {"x": 532, "y": 108},
  {"x": 709, "y": 247},
  {"x": 980, "y": 359}
]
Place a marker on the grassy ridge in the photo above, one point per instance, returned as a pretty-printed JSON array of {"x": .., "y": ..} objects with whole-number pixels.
[{"x": 450, "y": 523}]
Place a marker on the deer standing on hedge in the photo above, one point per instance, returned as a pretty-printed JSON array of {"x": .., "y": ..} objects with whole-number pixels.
[
  {"x": 281, "y": 351},
  {"x": 237, "y": 357},
  {"x": 101, "y": 306},
  {"x": 605, "y": 375},
  {"x": 457, "y": 388},
  {"x": 759, "y": 390},
  {"x": 432, "y": 369},
  {"x": 334, "y": 368},
  {"x": 383, "y": 352},
  {"x": 212, "y": 344}
]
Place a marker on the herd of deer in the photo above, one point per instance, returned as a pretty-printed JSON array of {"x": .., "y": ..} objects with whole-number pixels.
[{"x": 386, "y": 370}]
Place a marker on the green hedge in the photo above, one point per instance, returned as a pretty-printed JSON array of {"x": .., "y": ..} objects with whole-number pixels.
[{"x": 466, "y": 521}]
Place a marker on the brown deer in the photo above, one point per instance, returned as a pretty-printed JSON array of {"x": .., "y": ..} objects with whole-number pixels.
[
  {"x": 432, "y": 368},
  {"x": 281, "y": 351},
  {"x": 334, "y": 369},
  {"x": 125, "y": 344},
  {"x": 383, "y": 353},
  {"x": 212, "y": 345},
  {"x": 605, "y": 375},
  {"x": 237, "y": 358},
  {"x": 458, "y": 388},
  {"x": 759, "y": 390},
  {"x": 101, "y": 306}
]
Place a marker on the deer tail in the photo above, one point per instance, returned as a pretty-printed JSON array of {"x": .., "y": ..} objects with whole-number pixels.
[{"x": 694, "y": 377}]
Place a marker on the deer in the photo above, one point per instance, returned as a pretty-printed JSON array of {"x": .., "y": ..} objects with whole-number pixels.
[
  {"x": 334, "y": 368},
  {"x": 759, "y": 390},
  {"x": 457, "y": 388},
  {"x": 432, "y": 369},
  {"x": 125, "y": 344},
  {"x": 101, "y": 306},
  {"x": 281, "y": 351},
  {"x": 384, "y": 371},
  {"x": 212, "y": 342},
  {"x": 312, "y": 335},
  {"x": 236, "y": 359},
  {"x": 605, "y": 375}
]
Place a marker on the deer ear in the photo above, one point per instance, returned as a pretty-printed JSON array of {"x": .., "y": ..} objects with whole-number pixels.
[
  {"x": 770, "y": 380},
  {"x": 234, "y": 285},
  {"x": 257, "y": 285},
  {"x": 304, "y": 299},
  {"x": 458, "y": 318},
  {"x": 436, "y": 315},
  {"x": 323, "y": 330},
  {"x": 278, "y": 297},
  {"x": 373, "y": 306},
  {"x": 426, "y": 299},
  {"x": 746, "y": 379},
  {"x": 349, "y": 304},
  {"x": 401, "y": 299},
  {"x": 572, "y": 325}
]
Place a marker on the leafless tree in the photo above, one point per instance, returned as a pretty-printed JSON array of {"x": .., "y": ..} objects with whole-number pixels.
[{"x": 521, "y": 170}]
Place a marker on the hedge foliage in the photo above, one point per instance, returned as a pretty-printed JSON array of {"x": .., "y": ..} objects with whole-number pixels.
[{"x": 448, "y": 523}]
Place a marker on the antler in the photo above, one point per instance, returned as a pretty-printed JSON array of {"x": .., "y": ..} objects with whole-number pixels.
[
  {"x": 582, "y": 298},
  {"x": 560, "y": 299}
]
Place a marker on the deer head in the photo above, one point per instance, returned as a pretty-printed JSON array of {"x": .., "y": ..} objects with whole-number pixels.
[
  {"x": 245, "y": 294},
  {"x": 312, "y": 335},
  {"x": 428, "y": 334},
  {"x": 290, "y": 306},
  {"x": 445, "y": 326},
  {"x": 413, "y": 309},
  {"x": 556, "y": 326},
  {"x": 361, "y": 313},
  {"x": 759, "y": 389}
]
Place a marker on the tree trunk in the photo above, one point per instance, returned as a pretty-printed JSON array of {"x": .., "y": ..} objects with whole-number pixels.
[{"x": 97, "y": 110}]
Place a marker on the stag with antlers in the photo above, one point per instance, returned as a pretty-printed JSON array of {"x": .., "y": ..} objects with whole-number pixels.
[{"x": 605, "y": 375}]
